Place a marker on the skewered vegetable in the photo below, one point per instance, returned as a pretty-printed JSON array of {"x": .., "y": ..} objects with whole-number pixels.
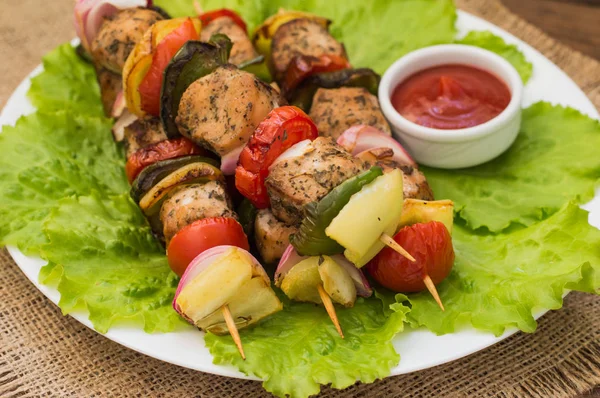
[
  {"x": 150, "y": 57},
  {"x": 303, "y": 66},
  {"x": 371, "y": 212},
  {"x": 202, "y": 235},
  {"x": 163, "y": 150},
  {"x": 421, "y": 211},
  {"x": 283, "y": 127},
  {"x": 360, "y": 138},
  {"x": 311, "y": 238},
  {"x": 302, "y": 96},
  {"x": 225, "y": 276},
  {"x": 431, "y": 245}
]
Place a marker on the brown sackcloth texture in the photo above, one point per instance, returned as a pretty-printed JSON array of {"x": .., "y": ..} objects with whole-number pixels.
[{"x": 43, "y": 353}]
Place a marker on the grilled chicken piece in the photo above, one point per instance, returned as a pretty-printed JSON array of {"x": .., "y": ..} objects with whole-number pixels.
[
  {"x": 294, "y": 182},
  {"x": 242, "y": 49},
  {"x": 220, "y": 111},
  {"x": 301, "y": 37},
  {"x": 110, "y": 85},
  {"x": 188, "y": 203},
  {"x": 143, "y": 132},
  {"x": 335, "y": 110},
  {"x": 272, "y": 236},
  {"x": 118, "y": 35}
]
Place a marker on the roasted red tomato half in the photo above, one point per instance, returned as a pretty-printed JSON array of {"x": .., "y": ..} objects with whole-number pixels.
[
  {"x": 151, "y": 85},
  {"x": 202, "y": 235},
  {"x": 163, "y": 150},
  {"x": 210, "y": 16},
  {"x": 283, "y": 127},
  {"x": 429, "y": 243},
  {"x": 303, "y": 66}
]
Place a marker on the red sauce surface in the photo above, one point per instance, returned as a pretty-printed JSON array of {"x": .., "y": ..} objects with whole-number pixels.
[{"x": 451, "y": 97}]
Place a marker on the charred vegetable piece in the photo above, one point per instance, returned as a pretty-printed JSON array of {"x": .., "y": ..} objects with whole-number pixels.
[
  {"x": 311, "y": 239},
  {"x": 302, "y": 95},
  {"x": 163, "y": 150},
  {"x": 372, "y": 211},
  {"x": 283, "y": 127},
  {"x": 423, "y": 211},
  {"x": 210, "y": 16},
  {"x": 303, "y": 66},
  {"x": 154, "y": 173},
  {"x": 195, "y": 60},
  {"x": 150, "y": 87},
  {"x": 225, "y": 275}
]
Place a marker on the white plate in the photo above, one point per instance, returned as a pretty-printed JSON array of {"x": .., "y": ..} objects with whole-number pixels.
[{"x": 420, "y": 349}]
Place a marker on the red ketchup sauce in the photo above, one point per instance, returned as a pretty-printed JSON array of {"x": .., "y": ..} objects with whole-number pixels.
[{"x": 451, "y": 97}]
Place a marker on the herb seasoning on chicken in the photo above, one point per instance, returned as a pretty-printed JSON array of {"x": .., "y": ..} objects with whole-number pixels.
[
  {"x": 301, "y": 37},
  {"x": 143, "y": 132},
  {"x": 220, "y": 111},
  {"x": 306, "y": 178},
  {"x": 119, "y": 34},
  {"x": 188, "y": 203},
  {"x": 335, "y": 110},
  {"x": 242, "y": 49},
  {"x": 271, "y": 235}
]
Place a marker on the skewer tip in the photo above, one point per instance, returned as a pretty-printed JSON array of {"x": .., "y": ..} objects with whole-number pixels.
[
  {"x": 235, "y": 335},
  {"x": 330, "y": 309},
  {"x": 431, "y": 287}
]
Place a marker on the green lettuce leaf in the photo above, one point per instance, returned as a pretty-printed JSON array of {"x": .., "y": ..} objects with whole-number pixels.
[
  {"x": 553, "y": 160},
  {"x": 297, "y": 349},
  {"x": 45, "y": 158},
  {"x": 376, "y": 33},
  {"x": 499, "y": 280},
  {"x": 66, "y": 84},
  {"x": 510, "y": 52},
  {"x": 109, "y": 263}
]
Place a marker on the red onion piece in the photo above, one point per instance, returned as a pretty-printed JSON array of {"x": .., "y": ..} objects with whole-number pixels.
[
  {"x": 229, "y": 161},
  {"x": 289, "y": 258},
  {"x": 203, "y": 261},
  {"x": 361, "y": 138},
  {"x": 361, "y": 283}
]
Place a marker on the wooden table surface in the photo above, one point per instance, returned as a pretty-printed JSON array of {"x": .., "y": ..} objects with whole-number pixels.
[{"x": 573, "y": 22}]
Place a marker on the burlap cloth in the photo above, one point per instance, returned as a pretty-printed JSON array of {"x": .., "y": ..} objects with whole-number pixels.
[{"x": 43, "y": 353}]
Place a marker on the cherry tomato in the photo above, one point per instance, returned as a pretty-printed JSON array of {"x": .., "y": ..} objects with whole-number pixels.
[
  {"x": 150, "y": 87},
  {"x": 283, "y": 127},
  {"x": 303, "y": 66},
  {"x": 163, "y": 150},
  {"x": 210, "y": 16},
  {"x": 429, "y": 243},
  {"x": 202, "y": 235}
]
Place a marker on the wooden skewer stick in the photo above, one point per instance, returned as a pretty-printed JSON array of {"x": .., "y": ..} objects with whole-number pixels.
[
  {"x": 389, "y": 241},
  {"x": 330, "y": 309},
  {"x": 233, "y": 330},
  {"x": 198, "y": 7},
  {"x": 433, "y": 291}
]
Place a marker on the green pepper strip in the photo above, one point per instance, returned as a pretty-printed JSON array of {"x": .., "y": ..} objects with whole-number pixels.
[{"x": 311, "y": 240}]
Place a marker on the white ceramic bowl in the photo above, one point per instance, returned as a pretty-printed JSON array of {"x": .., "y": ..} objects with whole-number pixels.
[{"x": 458, "y": 148}]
